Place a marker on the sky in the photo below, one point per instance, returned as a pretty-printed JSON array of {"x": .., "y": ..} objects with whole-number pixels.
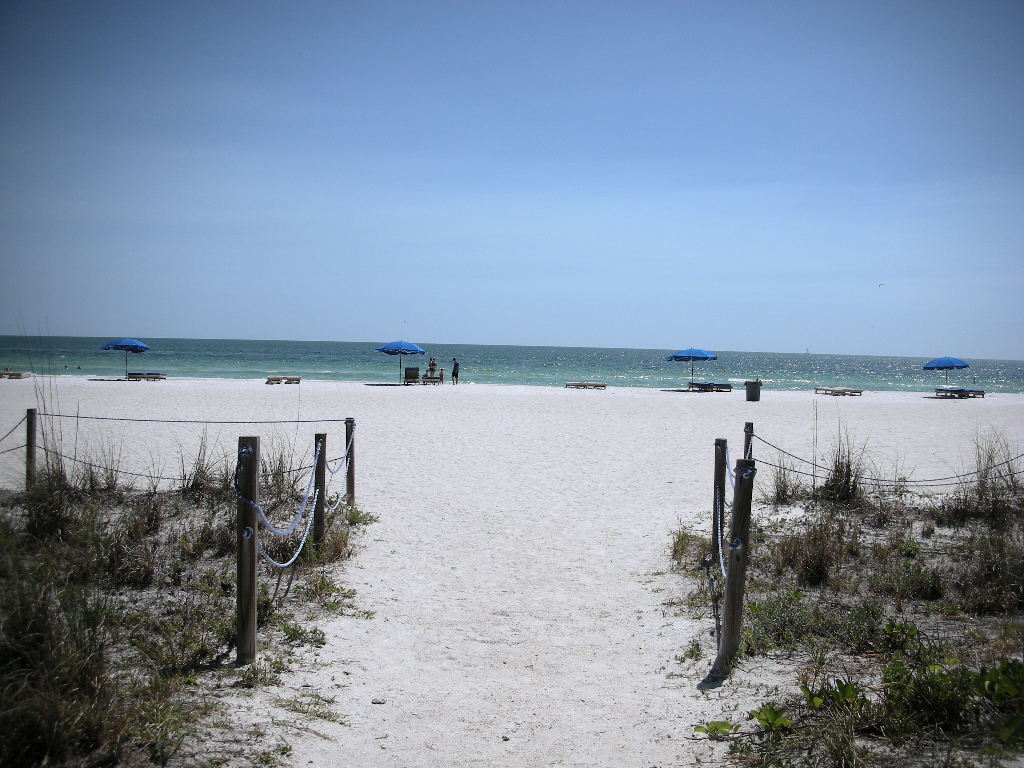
[{"x": 840, "y": 177}]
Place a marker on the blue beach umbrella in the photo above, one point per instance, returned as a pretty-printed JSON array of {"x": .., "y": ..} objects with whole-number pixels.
[
  {"x": 946, "y": 364},
  {"x": 401, "y": 348},
  {"x": 128, "y": 345},
  {"x": 689, "y": 355}
]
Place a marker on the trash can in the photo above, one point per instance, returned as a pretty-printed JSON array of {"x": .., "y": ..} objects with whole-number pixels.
[{"x": 753, "y": 390}]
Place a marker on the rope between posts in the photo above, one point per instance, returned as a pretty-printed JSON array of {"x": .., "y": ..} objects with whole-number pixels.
[
  {"x": 11, "y": 430},
  {"x": 886, "y": 481},
  {"x": 259, "y": 510},
  {"x": 877, "y": 484},
  {"x": 15, "y": 448},
  {"x": 720, "y": 513},
  {"x": 305, "y": 535},
  {"x": 343, "y": 461},
  {"x": 345, "y": 456},
  {"x": 189, "y": 421},
  {"x": 101, "y": 467}
]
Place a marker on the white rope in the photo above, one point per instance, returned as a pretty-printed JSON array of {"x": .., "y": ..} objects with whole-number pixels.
[
  {"x": 305, "y": 535},
  {"x": 345, "y": 461},
  {"x": 263, "y": 518},
  {"x": 720, "y": 512}
]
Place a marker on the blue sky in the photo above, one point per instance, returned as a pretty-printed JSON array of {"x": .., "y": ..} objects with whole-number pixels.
[{"x": 844, "y": 177}]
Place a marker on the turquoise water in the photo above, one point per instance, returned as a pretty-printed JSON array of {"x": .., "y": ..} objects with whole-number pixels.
[{"x": 487, "y": 364}]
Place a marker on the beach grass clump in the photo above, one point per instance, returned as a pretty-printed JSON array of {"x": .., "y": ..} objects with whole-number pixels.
[
  {"x": 690, "y": 550},
  {"x": 812, "y": 551},
  {"x": 784, "y": 486},
  {"x": 842, "y": 485},
  {"x": 989, "y": 576},
  {"x": 55, "y": 669},
  {"x": 991, "y": 492},
  {"x": 203, "y": 478}
]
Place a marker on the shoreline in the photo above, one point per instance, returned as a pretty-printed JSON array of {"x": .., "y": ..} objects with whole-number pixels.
[{"x": 737, "y": 384}]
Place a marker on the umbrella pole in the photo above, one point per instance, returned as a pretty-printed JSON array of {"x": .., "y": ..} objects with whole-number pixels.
[{"x": 126, "y": 365}]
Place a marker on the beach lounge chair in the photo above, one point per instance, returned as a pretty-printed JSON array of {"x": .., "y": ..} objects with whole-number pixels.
[
  {"x": 586, "y": 384},
  {"x": 7, "y": 373},
  {"x": 430, "y": 380},
  {"x": 709, "y": 386},
  {"x": 146, "y": 377},
  {"x": 275, "y": 379},
  {"x": 958, "y": 392},
  {"x": 837, "y": 391},
  {"x": 412, "y": 376}
]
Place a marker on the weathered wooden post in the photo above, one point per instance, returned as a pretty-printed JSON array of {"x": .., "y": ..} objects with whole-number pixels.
[
  {"x": 30, "y": 448},
  {"x": 736, "y": 576},
  {"x": 248, "y": 488},
  {"x": 320, "y": 483},
  {"x": 719, "y": 497},
  {"x": 748, "y": 435},
  {"x": 350, "y": 480}
]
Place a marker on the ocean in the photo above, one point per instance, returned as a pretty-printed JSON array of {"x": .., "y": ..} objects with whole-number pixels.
[{"x": 494, "y": 364}]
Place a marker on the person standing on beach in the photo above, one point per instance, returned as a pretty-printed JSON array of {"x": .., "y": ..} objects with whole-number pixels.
[{"x": 455, "y": 371}]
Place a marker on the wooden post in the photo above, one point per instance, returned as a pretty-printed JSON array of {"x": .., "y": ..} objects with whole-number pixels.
[
  {"x": 350, "y": 479},
  {"x": 748, "y": 435},
  {"x": 719, "y": 497},
  {"x": 248, "y": 486},
  {"x": 736, "y": 576},
  {"x": 744, "y": 494},
  {"x": 320, "y": 483},
  {"x": 30, "y": 448}
]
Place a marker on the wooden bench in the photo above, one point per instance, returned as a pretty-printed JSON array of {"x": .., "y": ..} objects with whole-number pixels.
[
  {"x": 959, "y": 392},
  {"x": 837, "y": 391},
  {"x": 585, "y": 384},
  {"x": 146, "y": 377},
  {"x": 709, "y": 386}
]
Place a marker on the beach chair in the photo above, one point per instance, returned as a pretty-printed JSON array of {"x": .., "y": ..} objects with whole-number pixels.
[
  {"x": 958, "y": 392},
  {"x": 709, "y": 386},
  {"x": 837, "y": 391},
  {"x": 146, "y": 376},
  {"x": 412, "y": 376},
  {"x": 585, "y": 384}
]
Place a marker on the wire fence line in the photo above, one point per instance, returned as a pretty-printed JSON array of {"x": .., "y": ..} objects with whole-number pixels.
[
  {"x": 936, "y": 482},
  {"x": 118, "y": 471},
  {"x": 185, "y": 421},
  {"x": 342, "y": 459},
  {"x": 11, "y": 430}
]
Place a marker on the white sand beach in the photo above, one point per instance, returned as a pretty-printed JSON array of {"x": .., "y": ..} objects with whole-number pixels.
[{"x": 519, "y": 574}]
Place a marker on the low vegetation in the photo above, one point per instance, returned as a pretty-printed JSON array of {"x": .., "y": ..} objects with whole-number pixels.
[
  {"x": 901, "y": 613},
  {"x": 116, "y": 605}
]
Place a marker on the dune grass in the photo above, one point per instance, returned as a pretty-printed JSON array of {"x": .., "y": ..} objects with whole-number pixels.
[
  {"x": 115, "y": 603},
  {"x": 902, "y": 615}
]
